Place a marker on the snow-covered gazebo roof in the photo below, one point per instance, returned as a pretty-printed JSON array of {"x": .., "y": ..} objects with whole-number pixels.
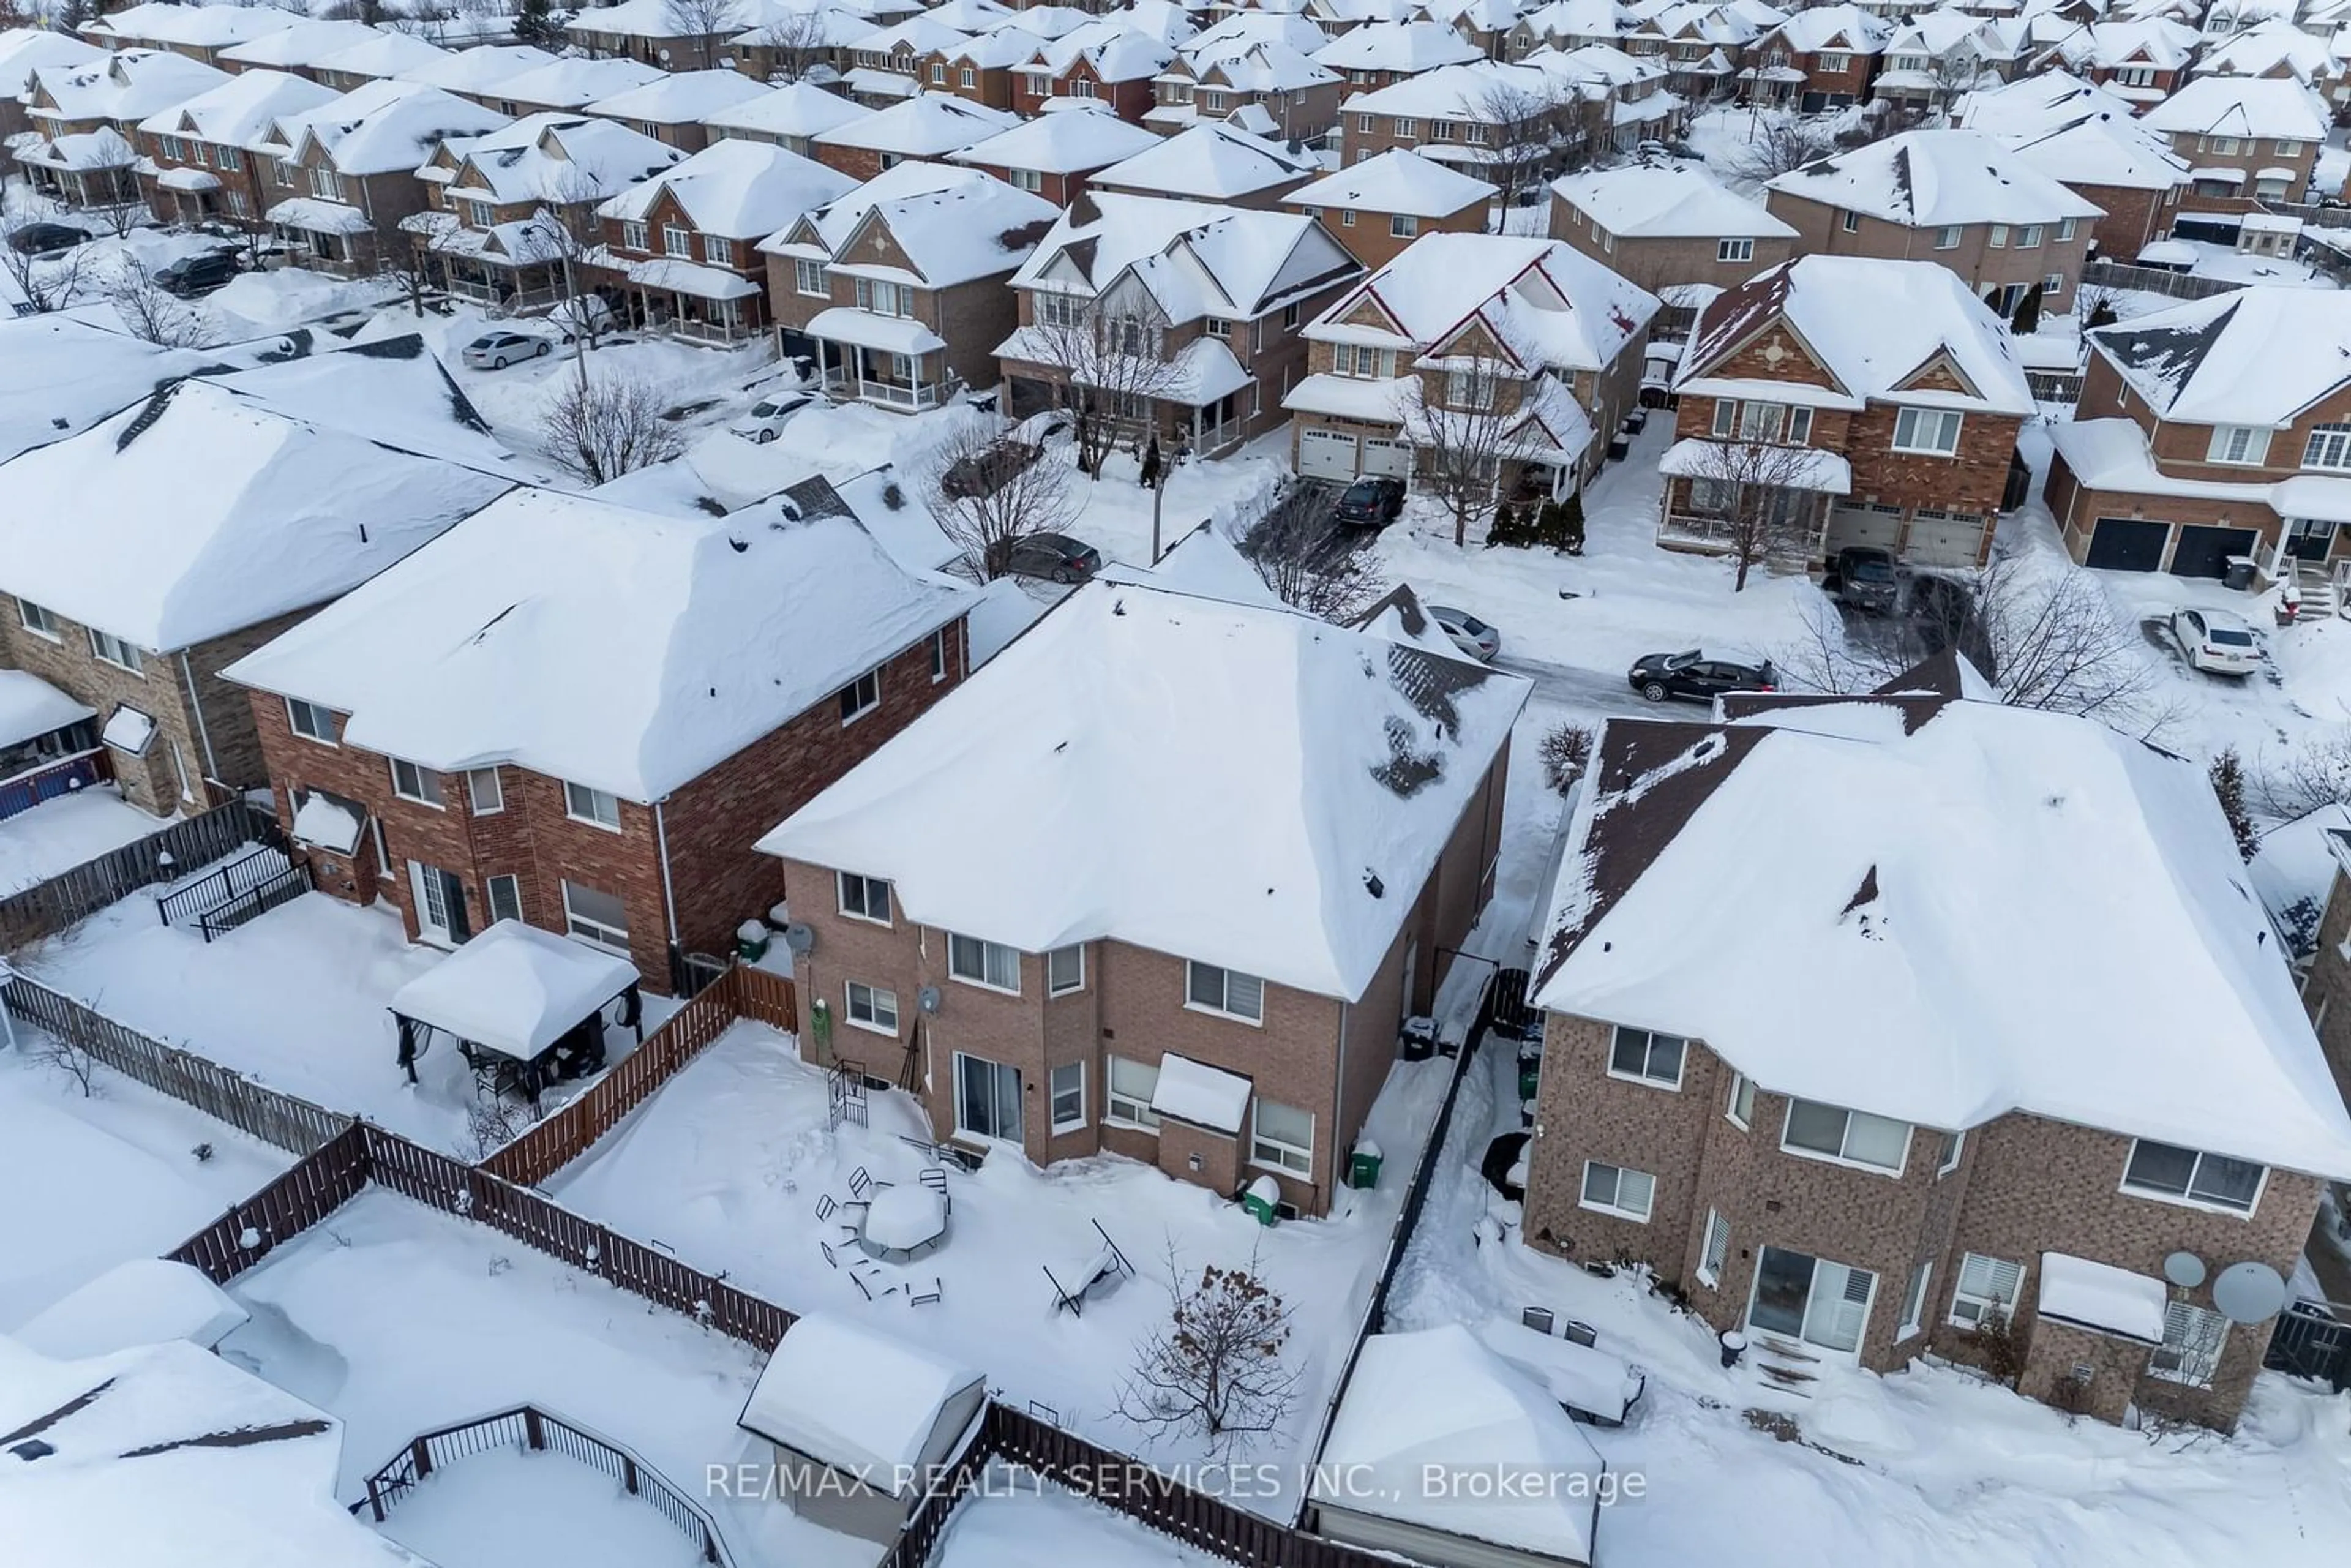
[{"x": 514, "y": 990}]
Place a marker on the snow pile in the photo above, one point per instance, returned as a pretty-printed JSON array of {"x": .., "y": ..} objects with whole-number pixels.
[
  {"x": 147, "y": 1301},
  {"x": 854, "y": 1398},
  {"x": 1203, "y": 1095},
  {"x": 2100, "y": 1296}
]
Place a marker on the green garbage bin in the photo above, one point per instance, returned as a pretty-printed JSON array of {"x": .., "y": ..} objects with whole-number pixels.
[
  {"x": 1259, "y": 1198},
  {"x": 1363, "y": 1166},
  {"x": 751, "y": 941}
]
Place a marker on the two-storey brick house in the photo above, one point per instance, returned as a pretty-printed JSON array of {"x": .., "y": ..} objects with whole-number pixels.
[
  {"x": 1382, "y": 53},
  {"x": 2243, "y": 138},
  {"x": 1103, "y": 62},
  {"x": 1522, "y": 331},
  {"x": 1668, "y": 227},
  {"x": 23, "y": 51},
  {"x": 385, "y": 56},
  {"x": 1055, "y": 154},
  {"x": 2141, "y": 59},
  {"x": 1821, "y": 58},
  {"x": 1215, "y": 161},
  {"x": 203, "y": 160},
  {"x": 2216, "y": 428},
  {"x": 1875, "y": 402},
  {"x": 1809, "y": 1055},
  {"x": 299, "y": 49},
  {"x": 1957, "y": 198},
  {"x": 792, "y": 117},
  {"x": 482, "y": 72},
  {"x": 84, "y": 115},
  {"x": 978, "y": 69},
  {"x": 660, "y": 34},
  {"x": 1377, "y": 207},
  {"x": 1298, "y": 98},
  {"x": 344, "y": 171},
  {"x": 287, "y": 484},
  {"x": 569, "y": 81},
  {"x": 1214, "y": 979},
  {"x": 467, "y": 772},
  {"x": 928, "y": 127},
  {"x": 1179, "y": 319},
  {"x": 885, "y": 64},
  {"x": 200, "y": 32},
  {"x": 675, "y": 109}
]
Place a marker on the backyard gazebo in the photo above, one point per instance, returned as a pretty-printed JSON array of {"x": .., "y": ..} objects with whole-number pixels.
[{"x": 526, "y": 1008}]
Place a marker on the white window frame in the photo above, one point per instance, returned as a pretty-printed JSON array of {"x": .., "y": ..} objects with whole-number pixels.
[
  {"x": 1054, "y": 1093},
  {"x": 2029, "y": 237},
  {"x": 296, "y": 708},
  {"x": 2239, "y": 445},
  {"x": 596, "y": 933},
  {"x": 1845, "y": 1142},
  {"x": 1849, "y": 221},
  {"x": 808, "y": 277},
  {"x": 490, "y": 900},
  {"x": 1269, "y": 1152},
  {"x": 1613, "y": 1204},
  {"x": 2052, "y": 286},
  {"x": 1056, "y": 986},
  {"x": 1650, "y": 1037},
  {"x": 2179, "y": 1319},
  {"x": 1739, "y": 1110},
  {"x": 1734, "y": 250},
  {"x": 426, "y": 780},
  {"x": 2327, "y": 450},
  {"x": 2186, "y": 1197},
  {"x": 1914, "y": 1300},
  {"x": 1948, "y": 238},
  {"x": 1997, "y": 238},
  {"x": 989, "y": 951},
  {"x": 1913, "y": 420},
  {"x": 1714, "y": 1249},
  {"x": 108, "y": 649},
  {"x": 938, "y": 655},
  {"x": 2066, "y": 228},
  {"x": 38, "y": 619},
  {"x": 1121, "y": 1108},
  {"x": 594, "y": 799},
  {"x": 1952, "y": 1154},
  {"x": 1225, "y": 988},
  {"x": 677, "y": 242},
  {"x": 862, "y": 906},
  {"x": 633, "y": 235},
  {"x": 879, "y": 1001},
  {"x": 860, "y": 696},
  {"x": 717, "y": 250},
  {"x": 1834, "y": 63},
  {"x": 1987, "y": 1300}
]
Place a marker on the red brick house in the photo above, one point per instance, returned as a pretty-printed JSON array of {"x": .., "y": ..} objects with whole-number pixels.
[
  {"x": 1053, "y": 155},
  {"x": 1101, "y": 62},
  {"x": 204, "y": 161},
  {"x": 1821, "y": 58},
  {"x": 582, "y": 716}
]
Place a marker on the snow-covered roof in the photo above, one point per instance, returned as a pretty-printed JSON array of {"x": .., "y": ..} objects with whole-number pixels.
[
  {"x": 969, "y": 225},
  {"x": 59, "y": 375},
  {"x": 1263, "y": 67},
  {"x": 1546, "y": 303},
  {"x": 1838, "y": 29},
  {"x": 1204, "y": 1096},
  {"x": 30, "y": 707},
  {"x": 1438, "y": 1399},
  {"x": 855, "y": 1398},
  {"x": 383, "y": 127},
  {"x": 1928, "y": 179},
  {"x": 1403, "y": 48},
  {"x": 1071, "y": 142},
  {"x": 304, "y": 44},
  {"x": 665, "y": 19},
  {"x": 384, "y": 55},
  {"x": 191, "y": 26},
  {"x": 737, "y": 189},
  {"x": 485, "y": 69},
  {"x": 2252, "y": 356},
  {"x": 573, "y": 83},
  {"x": 142, "y": 1301},
  {"x": 1803, "y": 468},
  {"x": 24, "y": 50},
  {"x": 2113, "y": 455},
  {"x": 681, "y": 98},
  {"x": 124, "y": 86},
  {"x": 928, "y": 125},
  {"x": 2297, "y": 863},
  {"x": 1671, "y": 201},
  {"x": 1203, "y": 563},
  {"x": 1194, "y": 258},
  {"x": 514, "y": 990},
  {"x": 1396, "y": 181},
  {"x": 2093, "y": 1295},
  {"x": 1109, "y": 47},
  {"x": 1114, "y": 719},
  {"x": 798, "y": 109},
  {"x": 554, "y": 156},
  {"x": 1874, "y": 326},
  {"x": 1941, "y": 911},
  {"x": 240, "y": 110},
  {"x": 712, "y": 632},
  {"x": 1211, "y": 162},
  {"x": 2268, "y": 108},
  {"x": 1472, "y": 92},
  {"x": 2100, "y": 151}
]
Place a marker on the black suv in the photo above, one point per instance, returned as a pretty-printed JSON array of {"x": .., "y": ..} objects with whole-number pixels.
[
  {"x": 194, "y": 275},
  {"x": 1371, "y": 502},
  {"x": 1695, "y": 677},
  {"x": 1865, "y": 579}
]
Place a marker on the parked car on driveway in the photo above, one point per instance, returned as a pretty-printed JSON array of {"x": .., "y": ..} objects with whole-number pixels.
[
  {"x": 194, "y": 275},
  {"x": 497, "y": 350},
  {"x": 47, "y": 239},
  {"x": 988, "y": 470},
  {"x": 1470, "y": 634},
  {"x": 1697, "y": 677},
  {"x": 1372, "y": 501},
  {"x": 1865, "y": 580},
  {"x": 770, "y": 415},
  {"x": 1057, "y": 558},
  {"x": 2217, "y": 641}
]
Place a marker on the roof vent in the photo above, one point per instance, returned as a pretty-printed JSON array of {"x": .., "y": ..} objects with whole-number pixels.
[
  {"x": 1373, "y": 884},
  {"x": 32, "y": 1449}
]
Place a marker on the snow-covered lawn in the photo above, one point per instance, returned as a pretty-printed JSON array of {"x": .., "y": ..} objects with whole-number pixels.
[
  {"x": 727, "y": 1162},
  {"x": 1018, "y": 1522},
  {"x": 97, "y": 1180},
  {"x": 60, "y": 834},
  {"x": 400, "y": 1321}
]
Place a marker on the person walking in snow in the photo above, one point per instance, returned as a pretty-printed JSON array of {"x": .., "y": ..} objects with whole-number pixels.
[{"x": 1151, "y": 464}]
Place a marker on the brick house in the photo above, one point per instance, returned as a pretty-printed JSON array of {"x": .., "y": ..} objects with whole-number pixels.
[
  {"x": 344, "y": 171},
  {"x": 299, "y": 49},
  {"x": 1875, "y": 400},
  {"x": 683, "y": 247},
  {"x": 897, "y": 288},
  {"x": 1701, "y": 45},
  {"x": 925, "y": 128},
  {"x": 134, "y": 607},
  {"x": 886, "y": 63},
  {"x": 2176, "y": 458},
  {"x": 1566, "y": 25},
  {"x": 23, "y": 51},
  {"x": 1956, "y": 198},
  {"x": 1179, "y": 318},
  {"x": 1671, "y": 227},
  {"x": 1382, "y": 53},
  {"x": 204, "y": 159},
  {"x": 382, "y": 57},
  {"x": 1054, "y": 155},
  {"x": 1932, "y": 57},
  {"x": 1211, "y": 989},
  {"x": 467, "y": 775},
  {"x": 1377, "y": 207},
  {"x": 83, "y": 116},
  {"x": 1819, "y": 59},
  {"x": 792, "y": 117},
  {"x": 1525, "y": 332},
  {"x": 977, "y": 69},
  {"x": 2142, "y": 60},
  {"x": 1217, "y": 161},
  {"x": 2089, "y": 141},
  {"x": 1509, "y": 125},
  {"x": 1298, "y": 98},
  {"x": 1100, "y": 62},
  {"x": 200, "y": 32},
  {"x": 2326, "y": 986},
  {"x": 482, "y": 72},
  {"x": 570, "y": 82},
  {"x": 660, "y": 34},
  {"x": 2243, "y": 138},
  {"x": 675, "y": 109},
  {"x": 1743, "y": 1086}
]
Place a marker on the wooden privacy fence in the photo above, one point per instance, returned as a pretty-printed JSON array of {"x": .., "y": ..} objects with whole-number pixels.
[
  {"x": 549, "y": 1145},
  {"x": 2154, "y": 280},
  {"x": 48, "y": 907},
  {"x": 272, "y": 1116},
  {"x": 331, "y": 1176},
  {"x": 22, "y": 791}
]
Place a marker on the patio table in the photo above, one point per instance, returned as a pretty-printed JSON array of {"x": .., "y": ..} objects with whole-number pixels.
[{"x": 903, "y": 1223}]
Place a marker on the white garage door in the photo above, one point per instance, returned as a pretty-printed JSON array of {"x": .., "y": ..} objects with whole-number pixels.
[
  {"x": 1390, "y": 457},
  {"x": 1325, "y": 454},
  {"x": 1938, "y": 538},
  {"x": 1855, "y": 524}
]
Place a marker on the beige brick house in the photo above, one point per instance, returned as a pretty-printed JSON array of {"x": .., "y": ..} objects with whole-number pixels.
[
  {"x": 1866, "y": 1031},
  {"x": 1668, "y": 228},
  {"x": 1054, "y": 911},
  {"x": 83, "y": 115},
  {"x": 1874, "y": 402},
  {"x": 1268, "y": 80},
  {"x": 1464, "y": 333},
  {"x": 1054, "y": 155},
  {"x": 1820, "y": 58},
  {"x": 2243, "y": 138},
  {"x": 144, "y": 554},
  {"x": 466, "y": 773},
  {"x": 927, "y": 127},
  {"x": 2088, "y": 139},
  {"x": 2217, "y": 428},
  {"x": 1377, "y": 207}
]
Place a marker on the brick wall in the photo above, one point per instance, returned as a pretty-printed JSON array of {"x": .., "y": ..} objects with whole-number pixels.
[
  {"x": 1657, "y": 264},
  {"x": 2328, "y": 994},
  {"x": 1821, "y": 230},
  {"x": 1369, "y": 236},
  {"x": 2134, "y": 217}
]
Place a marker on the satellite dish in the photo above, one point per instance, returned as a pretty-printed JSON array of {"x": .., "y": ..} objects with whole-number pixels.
[
  {"x": 2249, "y": 1293},
  {"x": 799, "y": 938},
  {"x": 2184, "y": 1269},
  {"x": 927, "y": 998}
]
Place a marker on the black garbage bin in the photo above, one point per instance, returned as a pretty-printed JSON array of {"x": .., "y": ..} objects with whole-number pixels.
[{"x": 2240, "y": 572}]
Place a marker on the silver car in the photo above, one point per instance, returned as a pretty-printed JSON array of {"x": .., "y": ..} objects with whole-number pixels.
[
  {"x": 1470, "y": 634},
  {"x": 497, "y": 350}
]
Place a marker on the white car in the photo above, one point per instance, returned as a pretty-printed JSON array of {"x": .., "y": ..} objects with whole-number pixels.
[
  {"x": 1470, "y": 634},
  {"x": 2217, "y": 641},
  {"x": 769, "y": 416},
  {"x": 497, "y": 350}
]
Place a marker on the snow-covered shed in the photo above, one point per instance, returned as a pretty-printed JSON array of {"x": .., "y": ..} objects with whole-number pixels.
[
  {"x": 1431, "y": 1427},
  {"x": 858, "y": 1418},
  {"x": 146, "y": 1300}
]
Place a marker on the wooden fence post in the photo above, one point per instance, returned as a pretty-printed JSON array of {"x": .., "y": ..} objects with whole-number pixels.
[
  {"x": 421, "y": 1454},
  {"x": 534, "y": 1429}
]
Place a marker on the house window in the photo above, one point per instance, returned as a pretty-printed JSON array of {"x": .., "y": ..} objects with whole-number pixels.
[
  {"x": 1065, "y": 970},
  {"x": 1716, "y": 1249},
  {"x": 421, "y": 785},
  {"x": 808, "y": 277},
  {"x": 1132, "y": 1085},
  {"x": 677, "y": 242},
  {"x": 482, "y": 789},
  {"x": 1403, "y": 225},
  {"x": 1734, "y": 250},
  {"x": 1850, "y": 222},
  {"x": 1914, "y": 1300},
  {"x": 1468, "y": 389},
  {"x": 970, "y": 78},
  {"x": 2064, "y": 230},
  {"x": 230, "y": 160},
  {"x": 2052, "y": 286},
  {"x": 324, "y": 185},
  {"x": 716, "y": 251},
  {"x": 1226, "y": 991},
  {"x": 1646, "y": 1057},
  {"x": 865, "y": 897},
  {"x": 1854, "y": 1138},
  {"x": 988, "y": 964},
  {"x": 2193, "y": 1339},
  {"x": 114, "y": 650},
  {"x": 1213, "y": 103},
  {"x": 1988, "y": 1289},
  {"x": 595, "y": 916},
  {"x": 1290, "y": 318},
  {"x": 1282, "y": 1136},
  {"x": 2329, "y": 447},
  {"x": 310, "y": 721},
  {"x": 504, "y": 897},
  {"x": 938, "y": 73},
  {"x": 38, "y": 619},
  {"x": 2029, "y": 237},
  {"x": 1832, "y": 63},
  {"x": 1948, "y": 238},
  {"x": 172, "y": 150},
  {"x": 1217, "y": 326},
  {"x": 2239, "y": 444},
  {"x": 2189, "y": 1175},
  {"x": 583, "y": 804},
  {"x": 1998, "y": 238},
  {"x": 633, "y": 237},
  {"x": 861, "y": 697},
  {"x": 1741, "y": 1111},
  {"x": 939, "y": 654},
  {"x": 1930, "y": 430},
  {"x": 1081, "y": 86},
  {"x": 1067, "y": 1082},
  {"x": 2286, "y": 148},
  {"x": 1612, "y": 1190},
  {"x": 1026, "y": 180},
  {"x": 870, "y": 1007},
  {"x": 1947, "y": 1158},
  {"x": 1408, "y": 129},
  {"x": 1443, "y": 130}
]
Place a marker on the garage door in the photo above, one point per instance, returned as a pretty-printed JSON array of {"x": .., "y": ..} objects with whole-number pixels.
[
  {"x": 2204, "y": 552},
  {"x": 1391, "y": 458},
  {"x": 1859, "y": 525},
  {"x": 2127, "y": 544},
  {"x": 1939, "y": 540},
  {"x": 1325, "y": 454}
]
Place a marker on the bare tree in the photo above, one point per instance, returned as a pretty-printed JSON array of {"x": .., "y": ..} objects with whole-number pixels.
[
  {"x": 1306, "y": 558},
  {"x": 1566, "y": 752},
  {"x": 1522, "y": 128},
  {"x": 1459, "y": 447},
  {"x": 796, "y": 43},
  {"x": 2055, "y": 643},
  {"x": 2314, "y": 774},
  {"x": 1778, "y": 144},
  {"x": 1114, "y": 364},
  {"x": 700, "y": 25},
  {"x": 46, "y": 283},
  {"x": 570, "y": 228},
  {"x": 149, "y": 314},
  {"x": 600, "y": 428},
  {"x": 68, "y": 1057},
  {"x": 410, "y": 263},
  {"x": 1214, "y": 1369},
  {"x": 986, "y": 492},
  {"x": 1751, "y": 499}
]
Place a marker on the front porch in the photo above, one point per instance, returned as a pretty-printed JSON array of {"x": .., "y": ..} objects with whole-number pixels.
[
  {"x": 1715, "y": 517},
  {"x": 894, "y": 361},
  {"x": 325, "y": 234},
  {"x": 689, "y": 300}
]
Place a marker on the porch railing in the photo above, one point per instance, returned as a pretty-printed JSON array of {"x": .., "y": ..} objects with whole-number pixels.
[{"x": 926, "y": 395}]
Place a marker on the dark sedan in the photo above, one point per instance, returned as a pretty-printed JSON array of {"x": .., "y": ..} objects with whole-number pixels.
[
  {"x": 1056, "y": 557},
  {"x": 1696, "y": 677},
  {"x": 46, "y": 239},
  {"x": 1371, "y": 502}
]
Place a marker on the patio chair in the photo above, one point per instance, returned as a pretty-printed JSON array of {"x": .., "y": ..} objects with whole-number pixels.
[
  {"x": 832, "y": 1258},
  {"x": 1537, "y": 1318},
  {"x": 861, "y": 1185},
  {"x": 925, "y": 1298},
  {"x": 825, "y": 1206},
  {"x": 863, "y": 1289},
  {"x": 1580, "y": 1334},
  {"x": 936, "y": 1178}
]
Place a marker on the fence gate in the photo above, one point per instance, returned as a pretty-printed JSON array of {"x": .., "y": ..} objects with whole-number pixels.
[
  {"x": 2310, "y": 1342},
  {"x": 844, "y": 1093}
]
